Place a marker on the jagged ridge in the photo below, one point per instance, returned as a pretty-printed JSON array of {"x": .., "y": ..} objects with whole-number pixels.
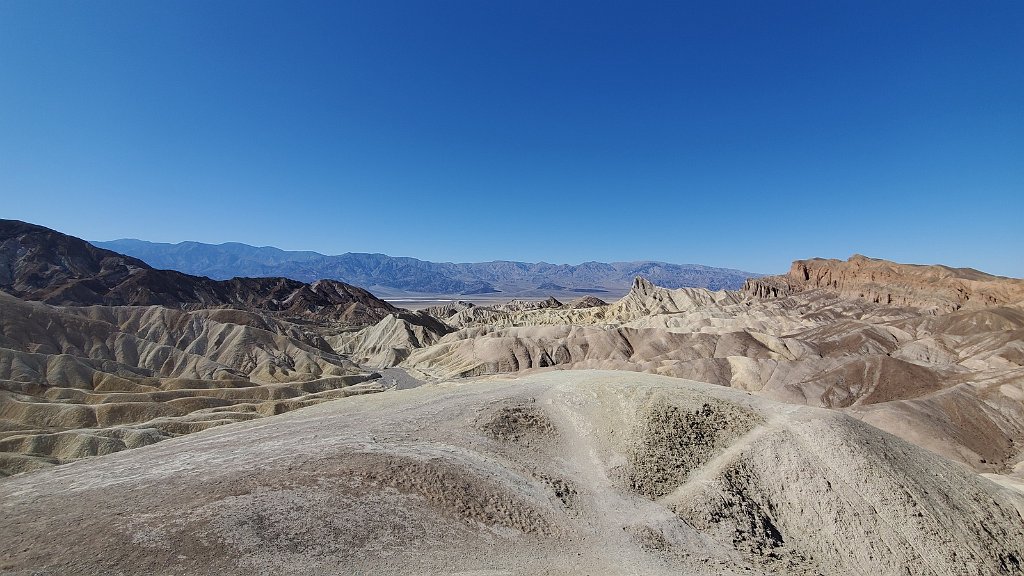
[
  {"x": 37, "y": 263},
  {"x": 880, "y": 281},
  {"x": 413, "y": 275}
]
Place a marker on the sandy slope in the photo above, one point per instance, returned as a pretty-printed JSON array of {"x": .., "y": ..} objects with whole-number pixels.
[
  {"x": 81, "y": 381},
  {"x": 557, "y": 473},
  {"x": 537, "y": 463},
  {"x": 952, "y": 382}
]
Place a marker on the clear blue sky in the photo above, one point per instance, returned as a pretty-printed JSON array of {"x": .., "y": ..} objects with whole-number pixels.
[{"x": 741, "y": 134}]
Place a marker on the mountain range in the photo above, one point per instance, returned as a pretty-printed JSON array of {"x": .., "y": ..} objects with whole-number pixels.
[
  {"x": 37, "y": 263},
  {"x": 389, "y": 275},
  {"x": 847, "y": 417},
  {"x": 461, "y": 288}
]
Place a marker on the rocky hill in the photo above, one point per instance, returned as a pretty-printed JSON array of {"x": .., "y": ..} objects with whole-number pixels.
[
  {"x": 99, "y": 352},
  {"x": 80, "y": 381},
  {"x": 37, "y": 263},
  {"x": 845, "y": 418},
  {"x": 950, "y": 381},
  {"x": 412, "y": 275},
  {"x": 880, "y": 281},
  {"x": 559, "y": 473}
]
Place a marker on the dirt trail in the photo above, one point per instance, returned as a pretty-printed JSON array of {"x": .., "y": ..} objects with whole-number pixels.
[{"x": 555, "y": 473}]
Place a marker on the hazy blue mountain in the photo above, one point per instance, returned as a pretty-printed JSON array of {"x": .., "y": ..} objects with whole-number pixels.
[
  {"x": 223, "y": 261},
  {"x": 213, "y": 260},
  {"x": 37, "y": 263}
]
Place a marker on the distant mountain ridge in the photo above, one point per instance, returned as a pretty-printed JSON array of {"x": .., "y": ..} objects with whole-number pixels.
[
  {"x": 222, "y": 261},
  {"x": 41, "y": 264}
]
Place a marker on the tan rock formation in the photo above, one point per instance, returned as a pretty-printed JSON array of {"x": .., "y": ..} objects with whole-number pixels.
[
  {"x": 81, "y": 381},
  {"x": 912, "y": 371},
  {"x": 568, "y": 472}
]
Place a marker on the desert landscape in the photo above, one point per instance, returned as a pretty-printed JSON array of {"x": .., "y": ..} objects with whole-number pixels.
[
  {"x": 507, "y": 288},
  {"x": 855, "y": 416}
]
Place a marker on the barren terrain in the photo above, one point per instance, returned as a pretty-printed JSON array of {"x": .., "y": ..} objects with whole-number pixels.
[
  {"x": 951, "y": 381},
  {"x": 567, "y": 472},
  {"x": 857, "y": 417}
]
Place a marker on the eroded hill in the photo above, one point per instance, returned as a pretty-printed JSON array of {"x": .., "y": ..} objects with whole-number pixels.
[
  {"x": 87, "y": 381},
  {"x": 848, "y": 417},
  {"x": 567, "y": 472},
  {"x": 100, "y": 353},
  {"x": 37, "y": 263},
  {"x": 928, "y": 287},
  {"x": 950, "y": 381}
]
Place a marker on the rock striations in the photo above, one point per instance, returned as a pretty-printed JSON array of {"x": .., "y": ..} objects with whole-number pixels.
[
  {"x": 82, "y": 381},
  {"x": 859, "y": 417},
  {"x": 118, "y": 355},
  {"x": 931, "y": 287},
  {"x": 952, "y": 382},
  {"x": 559, "y": 473}
]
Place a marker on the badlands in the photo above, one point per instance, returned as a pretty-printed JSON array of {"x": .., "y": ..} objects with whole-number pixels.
[{"x": 848, "y": 417}]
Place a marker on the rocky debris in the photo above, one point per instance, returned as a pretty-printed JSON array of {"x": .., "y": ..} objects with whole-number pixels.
[
  {"x": 515, "y": 422},
  {"x": 671, "y": 442}
]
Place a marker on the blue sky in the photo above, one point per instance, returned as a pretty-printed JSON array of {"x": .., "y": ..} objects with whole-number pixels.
[{"x": 740, "y": 134}]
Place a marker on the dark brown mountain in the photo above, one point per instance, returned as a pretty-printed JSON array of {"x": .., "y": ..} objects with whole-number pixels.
[{"x": 38, "y": 263}]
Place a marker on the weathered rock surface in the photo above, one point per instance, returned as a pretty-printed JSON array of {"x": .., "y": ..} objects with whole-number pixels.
[
  {"x": 952, "y": 382},
  {"x": 851, "y": 417},
  {"x": 568, "y": 472},
  {"x": 82, "y": 381},
  {"x": 587, "y": 302},
  {"x": 930, "y": 287},
  {"x": 390, "y": 341}
]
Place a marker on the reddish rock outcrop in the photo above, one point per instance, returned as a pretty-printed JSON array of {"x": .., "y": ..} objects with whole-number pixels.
[{"x": 933, "y": 287}]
